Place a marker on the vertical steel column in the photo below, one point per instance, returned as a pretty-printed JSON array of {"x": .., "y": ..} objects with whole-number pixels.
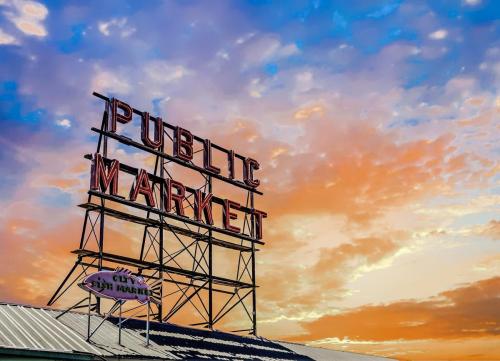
[
  {"x": 120, "y": 325},
  {"x": 101, "y": 246},
  {"x": 105, "y": 120},
  {"x": 162, "y": 220},
  {"x": 147, "y": 326},
  {"x": 88, "y": 317},
  {"x": 210, "y": 269},
  {"x": 254, "y": 286}
]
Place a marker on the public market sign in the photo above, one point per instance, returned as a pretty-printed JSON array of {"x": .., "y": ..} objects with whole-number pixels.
[
  {"x": 119, "y": 285},
  {"x": 181, "y": 150}
]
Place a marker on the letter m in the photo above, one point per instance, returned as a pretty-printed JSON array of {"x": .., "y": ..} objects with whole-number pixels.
[{"x": 102, "y": 177}]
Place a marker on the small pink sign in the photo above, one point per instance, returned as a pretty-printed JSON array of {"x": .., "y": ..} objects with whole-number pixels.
[{"x": 119, "y": 284}]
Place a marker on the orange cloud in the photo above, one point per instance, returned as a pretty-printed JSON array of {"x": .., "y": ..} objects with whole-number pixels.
[
  {"x": 35, "y": 257},
  {"x": 289, "y": 290},
  {"x": 359, "y": 183},
  {"x": 333, "y": 263},
  {"x": 308, "y": 112},
  {"x": 471, "y": 311},
  {"x": 492, "y": 230},
  {"x": 353, "y": 170}
]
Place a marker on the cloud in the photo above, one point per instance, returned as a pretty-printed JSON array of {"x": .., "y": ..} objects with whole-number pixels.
[
  {"x": 384, "y": 10},
  {"x": 304, "y": 286},
  {"x": 113, "y": 81},
  {"x": 438, "y": 34},
  {"x": 65, "y": 123},
  {"x": 162, "y": 72},
  {"x": 304, "y": 81},
  {"x": 492, "y": 230},
  {"x": 338, "y": 166},
  {"x": 467, "y": 312},
  {"x": 335, "y": 265},
  {"x": 256, "y": 88},
  {"x": 489, "y": 263},
  {"x": 28, "y": 16},
  {"x": 472, "y": 2},
  {"x": 478, "y": 348},
  {"x": 309, "y": 111},
  {"x": 266, "y": 48},
  {"x": 48, "y": 251},
  {"x": 118, "y": 24},
  {"x": 38, "y": 252},
  {"x": 7, "y": 39},
  {"x": 222, "y": 54},
  {"x": 243, "y": 39},
  {"x": 355, "y": 183}
]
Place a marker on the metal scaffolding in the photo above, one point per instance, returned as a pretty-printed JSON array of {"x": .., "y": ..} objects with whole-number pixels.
[{"x": 166, "y": 238}]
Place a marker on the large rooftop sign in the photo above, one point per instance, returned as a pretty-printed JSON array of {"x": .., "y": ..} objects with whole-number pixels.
[
  {"x": 152, "y": 184},
  {"x": 105, "y": 172}
]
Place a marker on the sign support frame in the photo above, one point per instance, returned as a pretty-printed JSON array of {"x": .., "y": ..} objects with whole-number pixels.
[{"x": 192, "y": 283}]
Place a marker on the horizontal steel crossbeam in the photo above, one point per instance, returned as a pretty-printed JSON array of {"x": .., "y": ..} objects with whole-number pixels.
[
  {"x": 172, "y": 215},
  {"x": 155, "y": 223},
  {"x": 152, "y": 265},
  {"x": 127, "y": 141}
]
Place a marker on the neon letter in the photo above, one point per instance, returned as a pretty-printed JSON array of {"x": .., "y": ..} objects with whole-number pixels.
[
  {"x": 183, "y": 144},
  {"x": 207, "y": 157},
  {"x": 248, "y": 167},
  {"x": 158, "y": 137},
  {"x": 99, "y": 178},
  {"x": 203, "y": 204},
  {"x": 143, "y": 187},
  {"x": 228, "y": 215},
  {"x": 258, "y": 222},
  {"x": 116, "y": 117},
  {"x": 178, "y": 197}
]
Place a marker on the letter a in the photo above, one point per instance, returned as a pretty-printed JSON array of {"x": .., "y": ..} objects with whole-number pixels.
[{"x": 143, "y": 187}]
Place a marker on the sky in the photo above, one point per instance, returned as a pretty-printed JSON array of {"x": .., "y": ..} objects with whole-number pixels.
[{"x": 375, "y": 124}]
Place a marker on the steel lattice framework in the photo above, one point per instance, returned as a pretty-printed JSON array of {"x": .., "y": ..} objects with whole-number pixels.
[{"x": 166, "y": 239}]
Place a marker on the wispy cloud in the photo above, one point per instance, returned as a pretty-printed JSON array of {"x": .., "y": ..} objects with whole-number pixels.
[
  {"x": 118, "y": 25},
  {"x": 439, "y": 34},
  {"x": 7, "y": 39},
  {"x": 465, "y": 313},
  {"x": 28, "y": 16}
]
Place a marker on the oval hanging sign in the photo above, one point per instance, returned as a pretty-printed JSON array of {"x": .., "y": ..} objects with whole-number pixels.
[{"x": 120, "y": 285}]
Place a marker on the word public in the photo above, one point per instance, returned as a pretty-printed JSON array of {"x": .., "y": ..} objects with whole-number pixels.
[
  {"x": 105, "y": 173},
  {"x": 183, "y": 142}
]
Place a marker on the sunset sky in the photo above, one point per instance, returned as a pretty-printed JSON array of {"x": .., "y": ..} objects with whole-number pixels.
[{"x": 376, "y": 124}]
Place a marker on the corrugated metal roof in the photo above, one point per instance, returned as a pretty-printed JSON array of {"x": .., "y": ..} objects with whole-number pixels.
[
  {"x": 106, "y": 336},
  {"x": 35, "y": 329},
  {"x": 190, "y": 343},
  {"x": 38, "y": 329}
]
